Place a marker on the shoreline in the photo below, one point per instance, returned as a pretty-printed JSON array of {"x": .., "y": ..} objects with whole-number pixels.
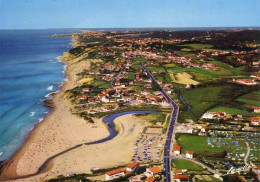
[{"x": 12, "y": 168}]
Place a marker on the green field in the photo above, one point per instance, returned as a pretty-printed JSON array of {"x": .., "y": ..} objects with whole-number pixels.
[
  {"x": 202, "y": 99},
  {"x": 248, "y": 101},
  {"x": 178, "y": 69},
  {"x": 155, "y": 68},
  {"x": 229, "y": 110},
  {"x": 195, "y": 144},
  {"x": 250, "y": 98},
  {"x": 185, "y": 164},
  {"x": 101, "y": 84},
  {"x": 199, "y": 46},
  {"x": 227, "y": 69},
  {"x": 199, "y": 144}
]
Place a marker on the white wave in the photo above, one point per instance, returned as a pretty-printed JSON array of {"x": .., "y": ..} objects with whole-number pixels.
[
  {"x": 40, "y": 120},
  {"x": 58, "y": 58},
  {"x": 50, "y": 88},
  {"x": 1, "y": 153},
  {"x": 32, "y": 113}
]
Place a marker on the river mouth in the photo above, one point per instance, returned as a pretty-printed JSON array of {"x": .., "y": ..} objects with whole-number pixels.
[{"x": 109, "y": 121}]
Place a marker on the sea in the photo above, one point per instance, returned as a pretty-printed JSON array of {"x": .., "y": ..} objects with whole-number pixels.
[{"x": 30, "y": 70}]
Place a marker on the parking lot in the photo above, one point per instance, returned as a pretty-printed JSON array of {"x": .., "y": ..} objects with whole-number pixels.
[{"x": 148, "y": 148}]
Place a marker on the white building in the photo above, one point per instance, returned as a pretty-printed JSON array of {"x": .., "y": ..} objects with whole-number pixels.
[
  {"x": 117, "y": 173},
  {"x": 132, "y": 167},
  {"x": 189, "y": 154}
]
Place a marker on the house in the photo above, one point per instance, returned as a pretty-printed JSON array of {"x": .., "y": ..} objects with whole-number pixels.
[
  {"x": 189, "y": 154},
  {"x": 179, "y": 178},
  {"x": 134, "y": 179},
  {"x": 181, "y": 171},
  {"x": 117, "y": 83},
  {"x": 255, "y": 76},
  {"x": 150, "y": 179},
  {"x": 246, "y": 82},
  {"x": 83, "y": 97},
  {"x": 203, "y": 128},
  {"x": 145, "y": 92},
  {"x": 177, "y": 172},
  {"x": 105, "y": 99},
  {"x": 212, "y": 115},
  {"x": 87, "y": 89},
  {"x": 255, "y": 121},
  {"x": 152, "y": 171},
  {"x": 91, "y": 100},
  {"x": 177, "y": 149},
  {"x": 255, "y": 108},
  {"x": 92, "y": 111},
  {"x": 165, "y": 103},
  {"x": 117, "y": 173},
  {"x": 148, "y": 86},
  {"x": 131, "y": 167},
  {"x": 109, "y": 67}
]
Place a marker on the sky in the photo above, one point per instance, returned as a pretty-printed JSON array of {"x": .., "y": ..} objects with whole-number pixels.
[{"x": 41, "y": 14}]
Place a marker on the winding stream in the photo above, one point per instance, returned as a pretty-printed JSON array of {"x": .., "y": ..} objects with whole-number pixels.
[{"x": 109, "y": 120}]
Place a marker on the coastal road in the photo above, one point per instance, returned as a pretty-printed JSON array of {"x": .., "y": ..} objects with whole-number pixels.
[
  {"x": 167, "y": 146},
  {"x": 120, "y": 71}
]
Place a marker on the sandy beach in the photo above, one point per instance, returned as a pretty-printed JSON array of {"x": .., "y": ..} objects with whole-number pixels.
[{"x": 61, "y": 131}]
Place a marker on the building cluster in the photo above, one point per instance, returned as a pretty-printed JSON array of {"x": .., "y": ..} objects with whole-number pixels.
[
  {"x": 177, "y": 152},
  {"x": 151, "y": 174}
]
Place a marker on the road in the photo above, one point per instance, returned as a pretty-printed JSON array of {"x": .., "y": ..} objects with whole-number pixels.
[
  {"x": 112, "y": 80},
  {"x": 167, "y": 146},
  {"x": 245, "y": 160}
]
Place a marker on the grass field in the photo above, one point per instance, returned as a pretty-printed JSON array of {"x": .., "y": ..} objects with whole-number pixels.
[
  {"x": 153, "y": 118},
  {"x": 228, "y": 69},
  {"x": 185, "y": 164},
  {"x": 202, "y": 99},
  {"x": 199, "y": 46},
  {"x": 101, "y": 84},
  {"x": 250, "y": 98},
  {"x": 155, "y": 68},
  {"x": 229, "y": 110},
  {"x": 195, "y": 144},
  {"x": 195, "y": 70},
  {"x": 199, "y": 144},
  {"x": 249, "y": 101}
]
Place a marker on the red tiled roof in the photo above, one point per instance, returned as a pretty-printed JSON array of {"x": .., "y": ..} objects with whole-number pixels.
[
  {"x": 255, "y": 107},
  {"x": 155, "y": 170},
  {"x": 177, "y": 148},
  {"x": 177, "y": 171},
  {"x": 180, "y": 176},
  {"x": 150, "y": 179},
  {"x": 189, "y": 152},
  {"x": 114, "y": 171},
  {"x": 254, "y": 119},
  {"x": 132, "y": 165}
]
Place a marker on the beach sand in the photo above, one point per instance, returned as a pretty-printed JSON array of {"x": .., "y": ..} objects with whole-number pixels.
[{"x": 62, "y": 130}]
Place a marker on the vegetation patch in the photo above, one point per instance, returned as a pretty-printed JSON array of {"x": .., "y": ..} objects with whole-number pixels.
[{"x": 185, "y": 164}]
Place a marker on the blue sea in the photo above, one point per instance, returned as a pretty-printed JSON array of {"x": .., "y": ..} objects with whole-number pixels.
[{"x": 29, "y": 70}]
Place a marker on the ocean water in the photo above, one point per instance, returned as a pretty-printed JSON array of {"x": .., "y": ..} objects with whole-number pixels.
[{"x": 29, "y": 70}]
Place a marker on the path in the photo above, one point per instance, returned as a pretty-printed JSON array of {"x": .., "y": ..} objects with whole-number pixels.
[
  {"x": 245, "y": 160},
  {"x": 202, "y": 165}
]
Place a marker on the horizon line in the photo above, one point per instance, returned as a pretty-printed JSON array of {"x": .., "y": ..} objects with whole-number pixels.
[{"x": 215, "y": 27}]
